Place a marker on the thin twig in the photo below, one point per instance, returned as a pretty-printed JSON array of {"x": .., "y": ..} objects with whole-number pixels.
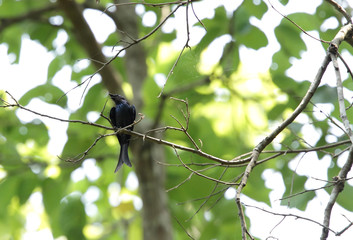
[
  {"x": 187, "y": 119},
  {"x": 17, "y": 104},
  {"x": 306, "y": 191},
  {"x": 183, "y": 228},
  {"x": 199, "y": 174},
  {"x": 186, "y": 45},
  {"x": 295, "y": 24},
  {"x": 346, "y": 228},
  {"x": 345, "y": 64},
  {"x": 134, "y": 42},
  {"x": 209, "y": 196},
  {"x": 288, "y": 215},
  {"x": 181, "y": 183}
]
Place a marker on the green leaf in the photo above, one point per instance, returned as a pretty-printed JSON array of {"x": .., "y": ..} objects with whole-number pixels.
[
  {"x": 10, "y": 36},
  {"x": 9, "y": 133},
  {"x": 215, "y": 28},
  {"x": 325, "y": 94},
  {"x": 286, "y": 84},
  {"x": 344, "y": 197},
  {"x": 293, "y": 186},
  {"x": 55, "y": 65},
  {"x": 308, "y": 22},
  {"x": 245, "y": 33},
  {"x": 15, "y": 8},
  {"x": 230, "y": 58},
  {"x": 277, "y": 111},
  {"x": 257, "y": 9},
  {"x": 52, "y": 194},
  {"x": 72, "y": 216},
  {"x": 53, "y": 191},
  {"x": 253, "y": 38},
  {"x": 300, "y": 201},
  {"x": 44, "y": 33},
  {"x": 156, "y": 1},
  {"x": 280, "y": 63},
  {"x": 7, "y": 187},
  {"x": 47, "y": 93},
  {"x": 255, "y": 183},
  {"x": 289, "y": 38},
  {"x": 27, "y": 183}
]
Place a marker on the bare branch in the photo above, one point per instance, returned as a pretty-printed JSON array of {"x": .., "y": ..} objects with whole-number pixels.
[
  {"x": 299, "y": 109},
  {"x": 342, "y": 107},
  {"x": 152, "y": 4},
  {"x": 341, "y": 10},
  {"x": 36, "y": 14},
  {"x": 81, "y": 156},
  {"x": 288, "y": 215},
  {"x": 198, "y": 173},
  {"x": 345, "y": 64},
  {"x": 183, "y": 228},
  {"x": 178, "y": 185},
  {"x": 193, "y": 10},
  {"x": 186, "y": 45},
  {"x": 110, "y": 79},
  {"x": 258, "y": 149},
  {"x": 306, "y": 191},
  {"x": 346, "y": 228},
  {"x": 238, "y": 161},
  {"x": 187, "y": 119},
  {"x": 209, "y": 196},
  {"x": 51, "y": 117},
  {"x": 249, "y": 167},
  {"x": 340, "y": 180}
]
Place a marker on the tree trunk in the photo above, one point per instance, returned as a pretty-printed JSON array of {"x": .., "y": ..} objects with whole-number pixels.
[{"x": 156, "y": 217}]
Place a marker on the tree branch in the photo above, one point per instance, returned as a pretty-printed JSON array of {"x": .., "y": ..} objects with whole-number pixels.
[
  {"x": 238, "y": 161},
  {"x": 340, "y": 180},
  {"x": 341, "y": 10},
  {"x": 342, "y": 107},
  {"x": 258, "y": 149},
  {"x": 287, "y": 215},
  {"x": 36, "y": 14}
]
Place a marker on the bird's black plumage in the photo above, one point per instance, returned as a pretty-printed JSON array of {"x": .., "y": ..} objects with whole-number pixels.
[{"x": 122, "y": 115}]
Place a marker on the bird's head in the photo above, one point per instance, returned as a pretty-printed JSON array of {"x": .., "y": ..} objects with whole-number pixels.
[{"x": 117, "y": 98}]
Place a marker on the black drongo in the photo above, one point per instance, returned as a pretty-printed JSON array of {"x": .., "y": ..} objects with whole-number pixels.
[{"x": 122, "y": 115}]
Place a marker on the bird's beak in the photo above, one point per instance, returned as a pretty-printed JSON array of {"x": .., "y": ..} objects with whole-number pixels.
[{"x": 112, "y": 96}]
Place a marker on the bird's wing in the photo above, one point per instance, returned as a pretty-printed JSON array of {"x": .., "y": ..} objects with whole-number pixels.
[
  {"x": 112, "y": 116},
  {"x": 132, "y": 115},
  {"x": 133, "y": 110}
]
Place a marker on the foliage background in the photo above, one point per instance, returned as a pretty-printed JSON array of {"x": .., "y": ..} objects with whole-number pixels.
[{"x": 233, "y": 103}]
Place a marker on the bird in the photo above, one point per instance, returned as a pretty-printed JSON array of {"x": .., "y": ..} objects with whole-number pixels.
[{"x": 122, "y": 115}]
